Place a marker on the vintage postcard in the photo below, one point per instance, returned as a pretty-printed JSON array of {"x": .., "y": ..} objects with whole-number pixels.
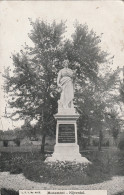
[{"x": 62, "y": 97}]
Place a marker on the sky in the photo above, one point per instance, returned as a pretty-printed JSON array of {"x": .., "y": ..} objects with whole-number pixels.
[{"x": 105, "y": 17}]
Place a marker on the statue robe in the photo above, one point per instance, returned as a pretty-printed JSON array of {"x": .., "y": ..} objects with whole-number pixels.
[{"x": 66, "y": 81}]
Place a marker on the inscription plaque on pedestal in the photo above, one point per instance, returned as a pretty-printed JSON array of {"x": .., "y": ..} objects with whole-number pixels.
[{"x": 66, "y": 133}]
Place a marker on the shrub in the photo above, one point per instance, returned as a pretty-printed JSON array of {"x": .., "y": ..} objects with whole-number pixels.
[
  {"x": 121, "y": 145},
  {"x": 95, "y": 142},
  {"x": 5, "y": 143},
  {"x": 105, "y": 164},
  {"x": 106, "y": 144},
  {"x": 17, "y": 142}
]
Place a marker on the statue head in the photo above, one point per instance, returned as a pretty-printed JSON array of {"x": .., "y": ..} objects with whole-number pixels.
[{"x": 65, "y": 63}]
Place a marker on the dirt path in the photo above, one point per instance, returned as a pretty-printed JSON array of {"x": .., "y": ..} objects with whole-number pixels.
[{"x": 17, "y": 182}]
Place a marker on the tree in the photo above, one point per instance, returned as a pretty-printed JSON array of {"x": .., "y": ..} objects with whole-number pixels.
[
  {"x": 96, "y": 102},
  {"x": 32, "y": 86},
  {"x": 122, "y": 89},
  {"x": 114, "y": 124}
]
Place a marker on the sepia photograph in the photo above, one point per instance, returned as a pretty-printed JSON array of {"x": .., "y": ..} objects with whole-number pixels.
[{"x": 62, "y": 97}]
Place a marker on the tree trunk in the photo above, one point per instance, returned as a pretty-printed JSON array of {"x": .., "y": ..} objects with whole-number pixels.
[
  {"x": 100, "y": 145},
  {"x": 100, "y": 140},
  {"x": 43, "y": 144},
  {"x": 115, "y": 140}
]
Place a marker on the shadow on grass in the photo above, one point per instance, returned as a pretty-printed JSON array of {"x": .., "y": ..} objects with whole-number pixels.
[
  {"x": 120, "y": 193},
  {"x": 8, "y": 192},
  {"x": 105, "y": 165}
]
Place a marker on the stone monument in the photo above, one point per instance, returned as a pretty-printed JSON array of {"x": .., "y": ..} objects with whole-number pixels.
[{"x": 66, "y": 147}]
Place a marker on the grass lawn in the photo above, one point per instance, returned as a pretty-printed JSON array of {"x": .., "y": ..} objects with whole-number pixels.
[{"x": 105, "y": 164}]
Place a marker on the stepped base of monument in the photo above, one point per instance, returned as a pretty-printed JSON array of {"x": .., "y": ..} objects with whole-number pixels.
[
  {"x": 57, "y": 158},
  {"x": 67, "y": 152}
]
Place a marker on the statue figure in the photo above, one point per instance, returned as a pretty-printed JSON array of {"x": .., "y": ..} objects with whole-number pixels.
[{"x": 65, "y": 82}]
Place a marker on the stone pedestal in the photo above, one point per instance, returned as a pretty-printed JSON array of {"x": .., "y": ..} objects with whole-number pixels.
[{"x": 66, "y": 148}]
